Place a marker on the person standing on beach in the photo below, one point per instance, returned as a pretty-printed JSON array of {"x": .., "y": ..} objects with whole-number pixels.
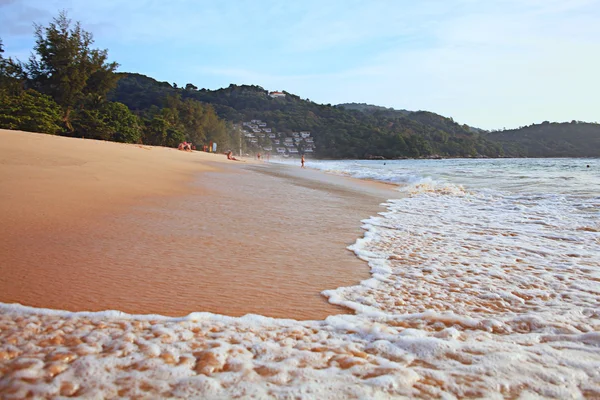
[{"x": 302, "y": 160}]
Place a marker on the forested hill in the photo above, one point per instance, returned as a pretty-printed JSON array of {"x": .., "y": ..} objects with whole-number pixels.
[
  {"x": 567, "y": 139},
  {"x": 77, "y": 93},
  {"x": 66, "y": 93},
  {"x": 375, "y": 110},
  {"x": 363, "y": 131},
  {"x": 425, "y": 117},
  {"x": 338, "y": 132}
]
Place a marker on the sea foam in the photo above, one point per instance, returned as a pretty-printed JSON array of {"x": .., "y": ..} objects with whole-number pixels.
[{"x": 473, "y": 293}]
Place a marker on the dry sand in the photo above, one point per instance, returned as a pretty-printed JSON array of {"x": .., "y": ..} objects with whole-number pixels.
[{"x": 92, "y": 225}]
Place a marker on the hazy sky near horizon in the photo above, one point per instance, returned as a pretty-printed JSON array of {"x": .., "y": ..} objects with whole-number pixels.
[{"x": 491, "y": 64}]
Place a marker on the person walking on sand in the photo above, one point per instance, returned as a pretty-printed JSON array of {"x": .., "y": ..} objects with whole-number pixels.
[{"x": 302, "y": 161}]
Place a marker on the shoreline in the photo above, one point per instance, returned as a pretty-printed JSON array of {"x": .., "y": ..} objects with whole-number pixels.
[
  {"x": 247, "y": 255},
  {"x": 425, "y": 323}
]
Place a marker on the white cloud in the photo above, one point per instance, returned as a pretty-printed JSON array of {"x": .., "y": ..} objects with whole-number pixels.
[
  {"x": 487, "y": 63},
  {"x": 502, "y": 67}
]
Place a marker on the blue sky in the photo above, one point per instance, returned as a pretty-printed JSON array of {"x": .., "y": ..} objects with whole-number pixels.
[{"x": 491, "y": 64}]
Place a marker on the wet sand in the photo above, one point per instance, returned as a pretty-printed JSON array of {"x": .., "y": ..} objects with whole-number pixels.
[
  {"x": 235, "y": 238},
  {"x": 91, "y": 225}
]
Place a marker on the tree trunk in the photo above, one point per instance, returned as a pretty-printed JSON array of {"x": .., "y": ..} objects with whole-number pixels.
[{"x": 67, "y": 119}]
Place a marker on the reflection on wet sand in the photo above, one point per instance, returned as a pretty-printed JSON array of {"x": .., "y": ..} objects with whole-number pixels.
[{"x": 239, "y": 242}]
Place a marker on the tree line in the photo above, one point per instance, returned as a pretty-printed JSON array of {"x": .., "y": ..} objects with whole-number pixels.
[
  {"x": 64, "y": 89},
  {"x": 367, "y": 131},
  {"x": 338, "y": 131},
  {"x": 69, "y": 88}
]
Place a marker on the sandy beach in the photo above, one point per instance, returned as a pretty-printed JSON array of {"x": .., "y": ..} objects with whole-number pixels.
[
  {"x": 91, "y": 226},
  {"x": 464, "y": 295}
]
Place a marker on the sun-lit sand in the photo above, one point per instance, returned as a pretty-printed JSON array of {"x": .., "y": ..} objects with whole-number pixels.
[
  {"x": 465, "y": 298},
  {"x": 50, "y": 180},
  {"x": 90, "y": 225}
]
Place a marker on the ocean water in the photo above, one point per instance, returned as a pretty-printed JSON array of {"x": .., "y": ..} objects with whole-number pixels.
[{"x": 485, "y": 284}]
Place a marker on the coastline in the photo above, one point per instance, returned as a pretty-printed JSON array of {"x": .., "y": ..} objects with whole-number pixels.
[
  {"x": 206, "y": 235},
  {"x": 425, "y": 323}
]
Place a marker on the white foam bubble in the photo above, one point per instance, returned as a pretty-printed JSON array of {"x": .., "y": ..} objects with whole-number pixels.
[{"x": 473, "y": 294}]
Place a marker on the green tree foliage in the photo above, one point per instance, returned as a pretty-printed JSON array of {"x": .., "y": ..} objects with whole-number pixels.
[
  {"x": 142, "y": 94},
  {"x": 159, "y": 131},
  {"x": 155, "y": 132},
  {"x": 548, "y": 139},
  {"x": 70, "y": 82},
  {"x": 174, "y": 137},
  {"x": 108, "y": 121},
  {"x": 184, "y": 120},
  {"x": 348, "y": 131},
  {"x": 29, "y": 111},
  {"x": 215, "y": 128},
  {"x": 66, "y": 68},
  {"x": 189, "y": 116},
  {"x": 12, "y": 75}
]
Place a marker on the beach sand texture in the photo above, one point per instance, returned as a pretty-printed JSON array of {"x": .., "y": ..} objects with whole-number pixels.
[{"x": 91, "y": 226}]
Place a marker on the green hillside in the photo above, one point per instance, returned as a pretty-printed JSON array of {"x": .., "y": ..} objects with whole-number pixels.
[
  {"x": 338, "y": 132},
  {"x": 66, "y": 93},
  {"x": 358, "y": 130},
  {"x": 375, "y": 110},
  {"x": 76, "y": 92},
  {"x": 567, "y": 139}
]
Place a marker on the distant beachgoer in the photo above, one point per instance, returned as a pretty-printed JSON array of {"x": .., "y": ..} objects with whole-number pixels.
[
  {"x": 185, "y": 146},
  {"x": 258, "y": 155},
  {"x": 302, "y": 160},
  {"x": 230, "y": 156}
]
